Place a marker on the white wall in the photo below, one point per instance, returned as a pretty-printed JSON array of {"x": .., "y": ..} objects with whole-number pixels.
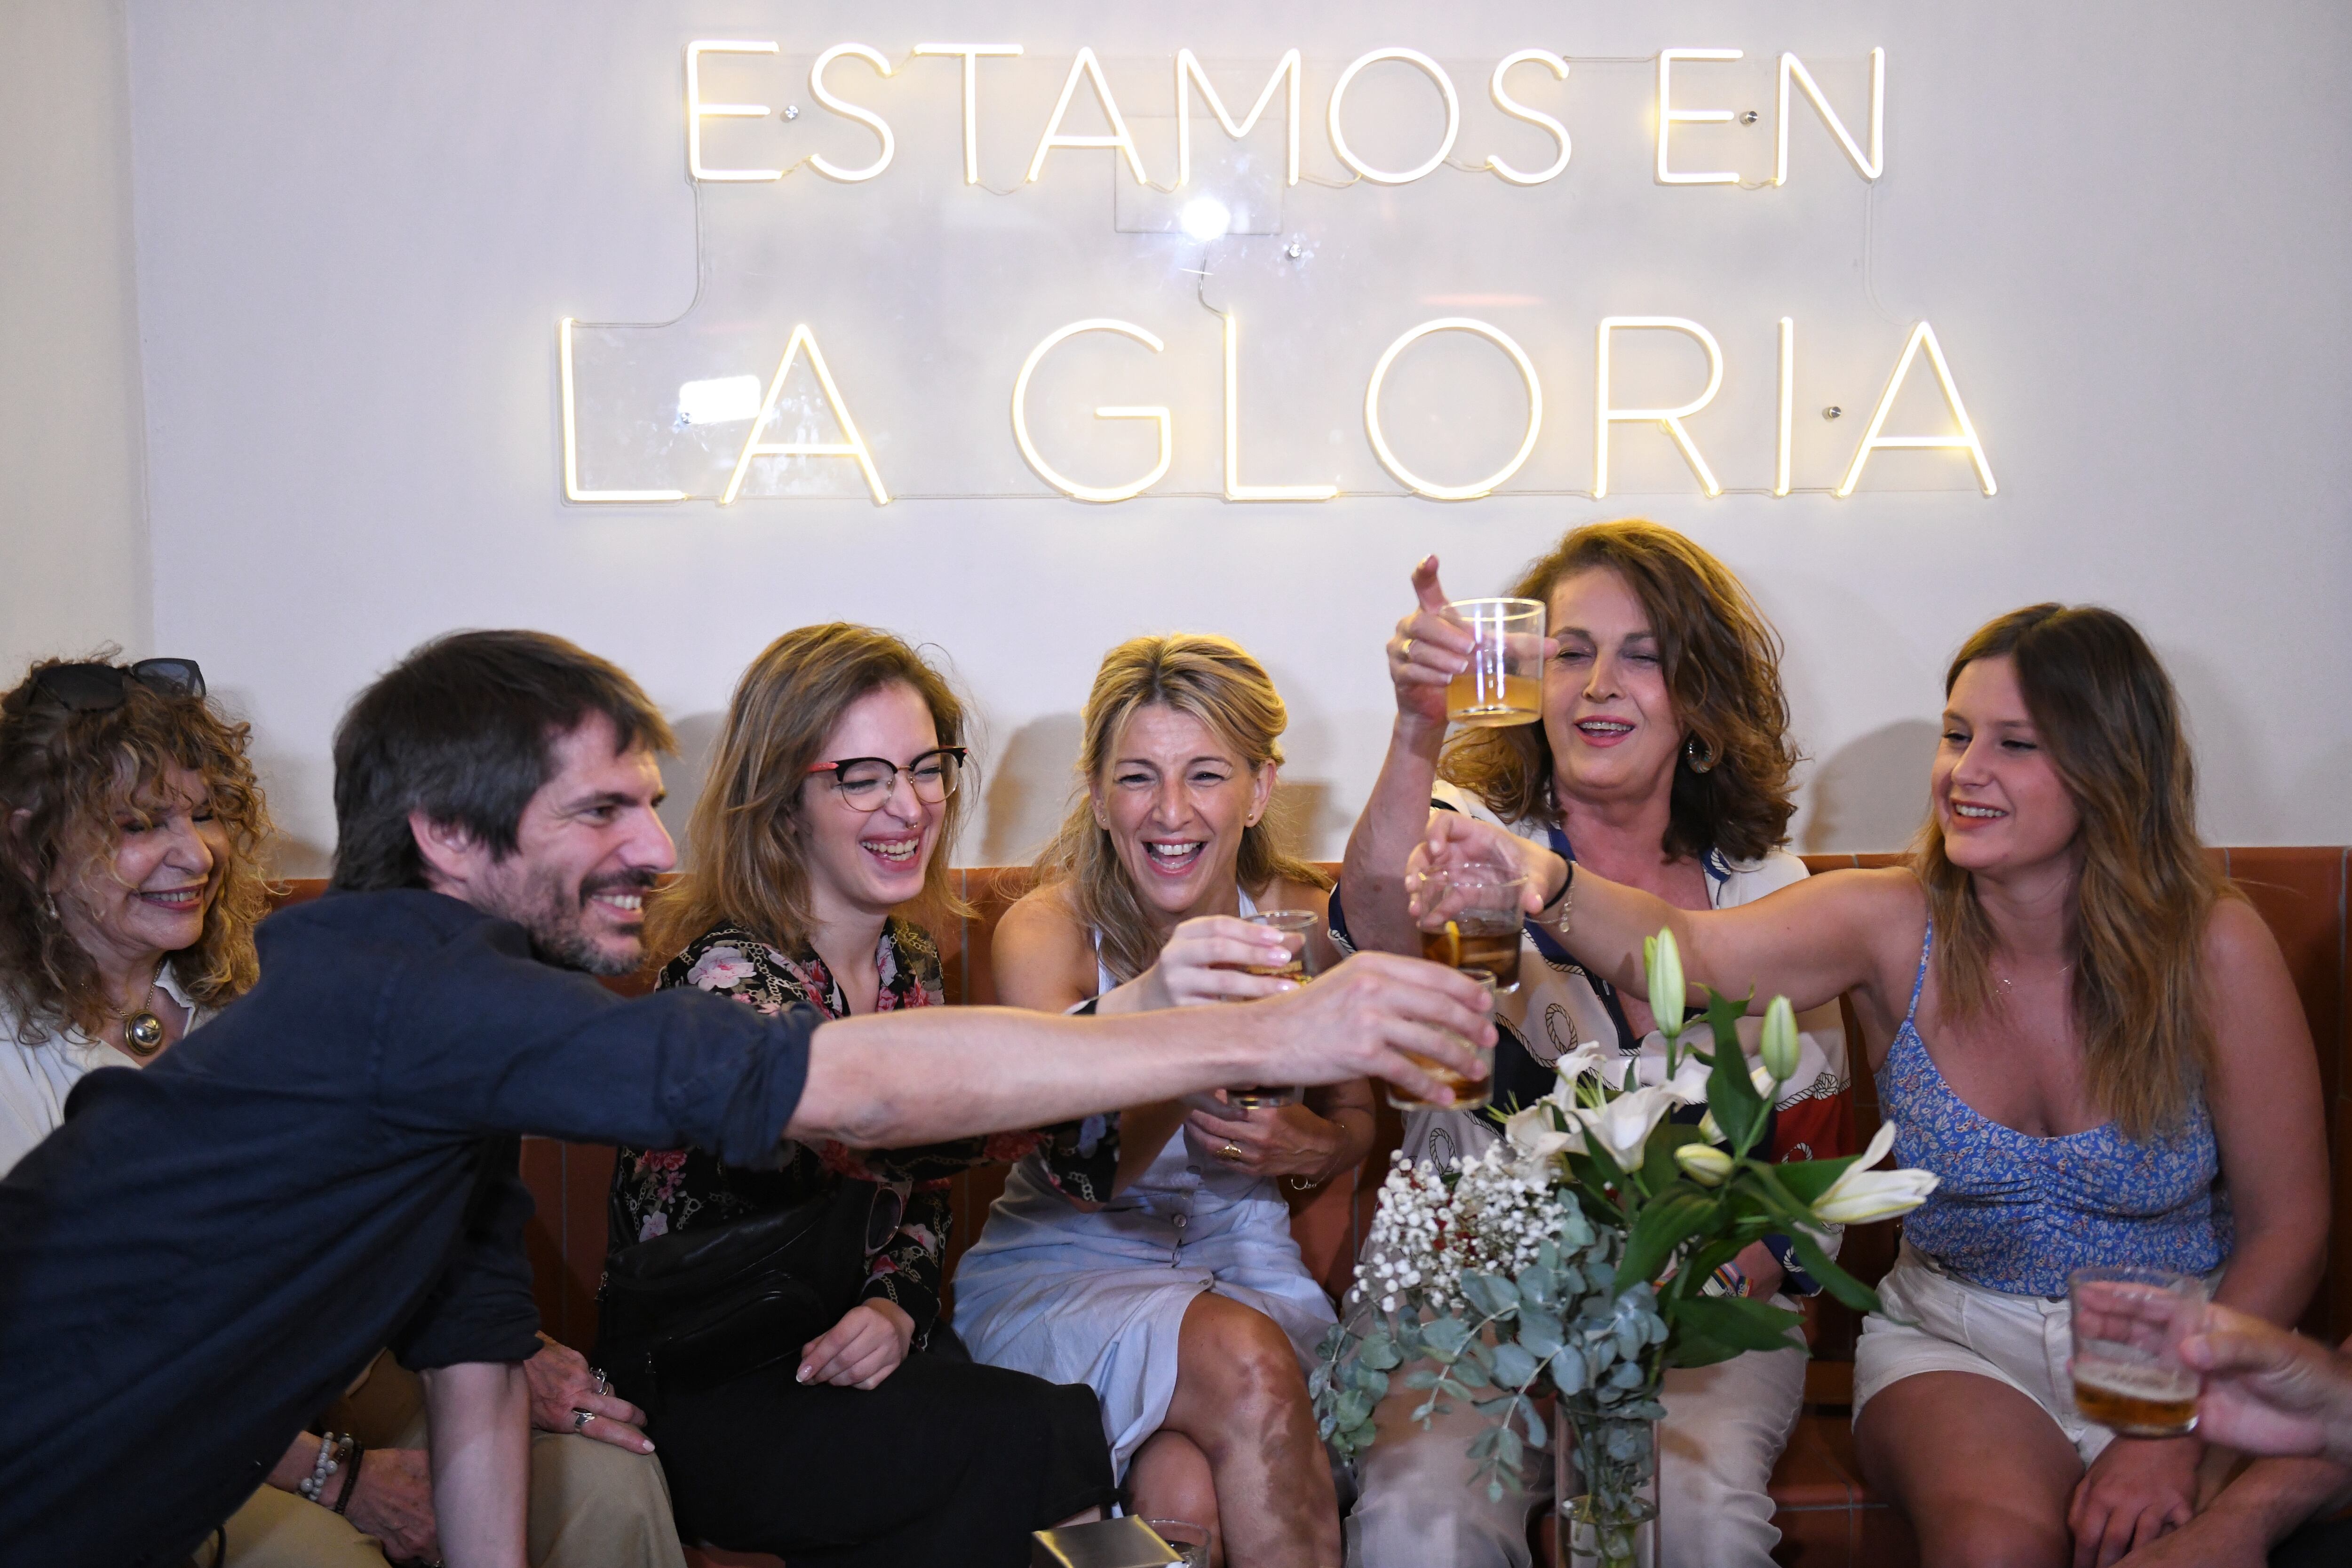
[
  {"x": 355, "y": 228},
  {"x": 73, "y": 522}
]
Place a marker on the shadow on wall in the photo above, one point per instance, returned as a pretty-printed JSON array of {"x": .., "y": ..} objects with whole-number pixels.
[
  {"x": 682, "y": 775},
  {"x": 1871, "y": 793},
  {"x": 1029, "y": 786},
  {"x": 1296, "y": 814}
]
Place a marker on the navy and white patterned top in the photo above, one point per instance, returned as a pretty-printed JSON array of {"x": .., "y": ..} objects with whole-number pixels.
[{"x": 2017, "y": 1214}]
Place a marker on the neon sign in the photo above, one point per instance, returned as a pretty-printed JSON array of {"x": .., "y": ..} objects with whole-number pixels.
[{"x": 886, "y": 354}]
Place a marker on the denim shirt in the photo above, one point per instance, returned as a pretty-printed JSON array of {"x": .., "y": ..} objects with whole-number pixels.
[{"x": 208, "y": 1250}]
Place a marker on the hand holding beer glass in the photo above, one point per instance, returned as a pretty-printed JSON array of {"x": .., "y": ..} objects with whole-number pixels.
[
  {"x": 1299, "y": 969},
  {"x": 2127, "y": 1325}
]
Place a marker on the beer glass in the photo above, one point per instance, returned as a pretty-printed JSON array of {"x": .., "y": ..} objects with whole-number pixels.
[
  {"x": 1468, "y": 1094},
  {"x": 1299, "y": 969},
  {"x": 1504, "y": 684},
  {"x": 2128, "y": 1323},
  {"x": 1474, "y": 921}
]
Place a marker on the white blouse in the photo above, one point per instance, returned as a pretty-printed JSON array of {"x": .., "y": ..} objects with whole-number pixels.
[{"x": 37, "y": 1076}]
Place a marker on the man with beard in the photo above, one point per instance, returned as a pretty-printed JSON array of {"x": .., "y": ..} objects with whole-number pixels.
[{"x": 208, "y": 1250}]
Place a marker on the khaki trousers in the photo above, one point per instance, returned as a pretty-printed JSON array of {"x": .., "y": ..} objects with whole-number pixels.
[{"x": 591, "y": 1505}]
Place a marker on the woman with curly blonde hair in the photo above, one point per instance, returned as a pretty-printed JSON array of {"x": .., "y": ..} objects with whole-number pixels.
[
  {"x": 130, "y": 887},
  {"x": 1662, "y": 756}
]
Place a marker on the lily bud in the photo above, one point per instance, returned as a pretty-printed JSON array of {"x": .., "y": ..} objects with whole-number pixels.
[
  {"x": 1778, "y": 1050},
  {"x": 1663, "y": 962},
  {"x": 1862, "y": 1193},
  {"x": 1704, "y": 1163}
]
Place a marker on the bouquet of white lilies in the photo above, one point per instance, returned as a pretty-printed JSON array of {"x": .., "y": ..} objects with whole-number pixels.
[{"x": 1575, "y": 1255}]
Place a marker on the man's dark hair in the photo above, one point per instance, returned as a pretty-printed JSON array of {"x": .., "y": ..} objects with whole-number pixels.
[{"x": 464, "y": 730}]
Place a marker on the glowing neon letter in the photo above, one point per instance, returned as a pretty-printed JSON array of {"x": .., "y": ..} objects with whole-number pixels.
[
  {"x": 1234, "y": 488},
  {"x": 1405, "y": 476},
  {"x": 697, "y": 112},
  {"x": 1087, "y": 66},
  {"x": 1669, "y": 116},
  {"x": 854, "y": 446},
  {"x": 1187, "y": 65},
  {"x": 1518, "y": 111},
  {"x": 833, "y": 171},
  {"x": 972, "y": 54},
  {"x": 1871, "y": 167},
  {"x": 1672, "y": 419},
  {"x": 1428, "y": 67},
  {"x": 571, "y": 490},
  {"x": 1159, "y": 416},
  {"x": 1922, "y": 336}
]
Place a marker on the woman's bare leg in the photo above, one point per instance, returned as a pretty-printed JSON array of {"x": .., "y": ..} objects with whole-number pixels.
[
  {"x": 1242, "y": 1400},
  {"x": 1170, "y": 1479},
  {"x": 1982, "y": 1471}
]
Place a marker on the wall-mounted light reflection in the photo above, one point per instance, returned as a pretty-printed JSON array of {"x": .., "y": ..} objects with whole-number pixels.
[
  {"x": 723, "y": 400},
  {"x": 1206, "y": 219}
]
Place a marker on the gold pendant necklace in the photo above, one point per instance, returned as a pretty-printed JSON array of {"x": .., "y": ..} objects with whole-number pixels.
[{"x": 143, "y": 1031}]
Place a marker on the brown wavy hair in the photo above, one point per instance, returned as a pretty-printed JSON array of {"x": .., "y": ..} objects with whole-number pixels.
[
  {"x": 746, "y": 841},
  {"x": 75, "y": 775},
  {"x": 2106, "y": 715},
  {"x": 1722, "y": 664},
  {"x": 1214, "y": 680}
]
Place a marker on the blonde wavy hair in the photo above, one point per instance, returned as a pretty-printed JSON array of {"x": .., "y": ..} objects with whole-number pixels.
[
  {"x": 1722, "y": 665},
  {"x": 1214, "y": 680},
  {"x": 74, "y": 777},
  {"x": 747, "y": 838},
  {"x": 2108, "y": 718}
]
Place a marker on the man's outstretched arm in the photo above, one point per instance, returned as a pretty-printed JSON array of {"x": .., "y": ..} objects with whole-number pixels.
[{"x": 894, "y": 1079}]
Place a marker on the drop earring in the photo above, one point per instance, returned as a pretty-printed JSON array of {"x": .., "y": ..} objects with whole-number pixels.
[{"x": 1701, "y": 762}]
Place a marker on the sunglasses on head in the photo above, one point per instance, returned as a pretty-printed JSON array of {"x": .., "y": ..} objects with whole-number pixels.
[{"x": 96, "y": 688}]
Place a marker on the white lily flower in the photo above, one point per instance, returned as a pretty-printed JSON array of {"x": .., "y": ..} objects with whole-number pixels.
[
  {"x": 1585, "y": 1058},
  {"x": 1623, "y": 1126},
  {"x": 1535, "y": 1138},
  {"x": 1704, "y": 1163},
  {"x": 1661, "y": 961},
  {"x": 1863, "y": 1194},
  {"x": 1777, "y": 1049},
  {"x": 1688, "y": 1083}
]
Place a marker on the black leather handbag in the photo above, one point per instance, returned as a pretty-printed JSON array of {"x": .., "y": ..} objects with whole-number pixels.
[{"x": 698, "y": 1307}]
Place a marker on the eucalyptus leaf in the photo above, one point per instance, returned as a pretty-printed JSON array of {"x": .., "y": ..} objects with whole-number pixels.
[{"x": 1515, "y": 1367}]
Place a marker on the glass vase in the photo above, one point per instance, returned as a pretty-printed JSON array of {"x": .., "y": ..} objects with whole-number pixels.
[{"x": 1608, "y": 1478}]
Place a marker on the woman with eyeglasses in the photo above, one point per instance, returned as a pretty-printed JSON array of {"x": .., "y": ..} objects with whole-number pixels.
[{"x": 832, "y": 794}]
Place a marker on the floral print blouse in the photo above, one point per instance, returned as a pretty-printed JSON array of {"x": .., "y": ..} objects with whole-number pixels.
[{"x": 658, "y": 1191}]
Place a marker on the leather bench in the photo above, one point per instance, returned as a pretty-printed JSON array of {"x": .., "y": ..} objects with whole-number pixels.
[{"x": 1827, "y": 1517}]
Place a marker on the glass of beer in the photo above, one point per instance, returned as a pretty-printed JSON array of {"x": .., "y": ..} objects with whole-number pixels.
[
  {"x": 1474, "y": 920},
  {"x": 1468, "y": 1094},
  {"x": 2127, "y": 1325},
  {"x": 1504, "y": 684},
  {"x": 1295, "y": 925}
]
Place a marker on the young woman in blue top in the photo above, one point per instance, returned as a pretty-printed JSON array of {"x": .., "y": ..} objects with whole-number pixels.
[{"x": 2077, "y": 1025}]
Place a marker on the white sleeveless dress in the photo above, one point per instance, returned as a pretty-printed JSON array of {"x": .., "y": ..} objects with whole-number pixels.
[{"x": 1099, "y": 1297}]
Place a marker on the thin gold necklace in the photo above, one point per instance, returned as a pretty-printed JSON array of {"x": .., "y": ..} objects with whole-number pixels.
[{"x": 143, "y": 1031}]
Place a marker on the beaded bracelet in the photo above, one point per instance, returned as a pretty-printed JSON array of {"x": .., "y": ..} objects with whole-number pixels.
[{"x": 333, "y": 1449}]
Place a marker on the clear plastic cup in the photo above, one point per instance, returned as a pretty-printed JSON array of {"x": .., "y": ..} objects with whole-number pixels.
[{"x": 1504, "y": 684}]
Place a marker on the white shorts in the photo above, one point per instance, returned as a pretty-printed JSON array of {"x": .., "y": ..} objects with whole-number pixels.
[{"x": 2024, "y": 1342}]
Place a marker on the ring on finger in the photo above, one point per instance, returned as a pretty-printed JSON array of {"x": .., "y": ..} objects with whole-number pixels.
[
  {"x": 580, "y": 1419},
  {"x": 604, "y": 1384},
  {"x": 1405, "y": 652},
  {"x": 1231, "y": 1153}
]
